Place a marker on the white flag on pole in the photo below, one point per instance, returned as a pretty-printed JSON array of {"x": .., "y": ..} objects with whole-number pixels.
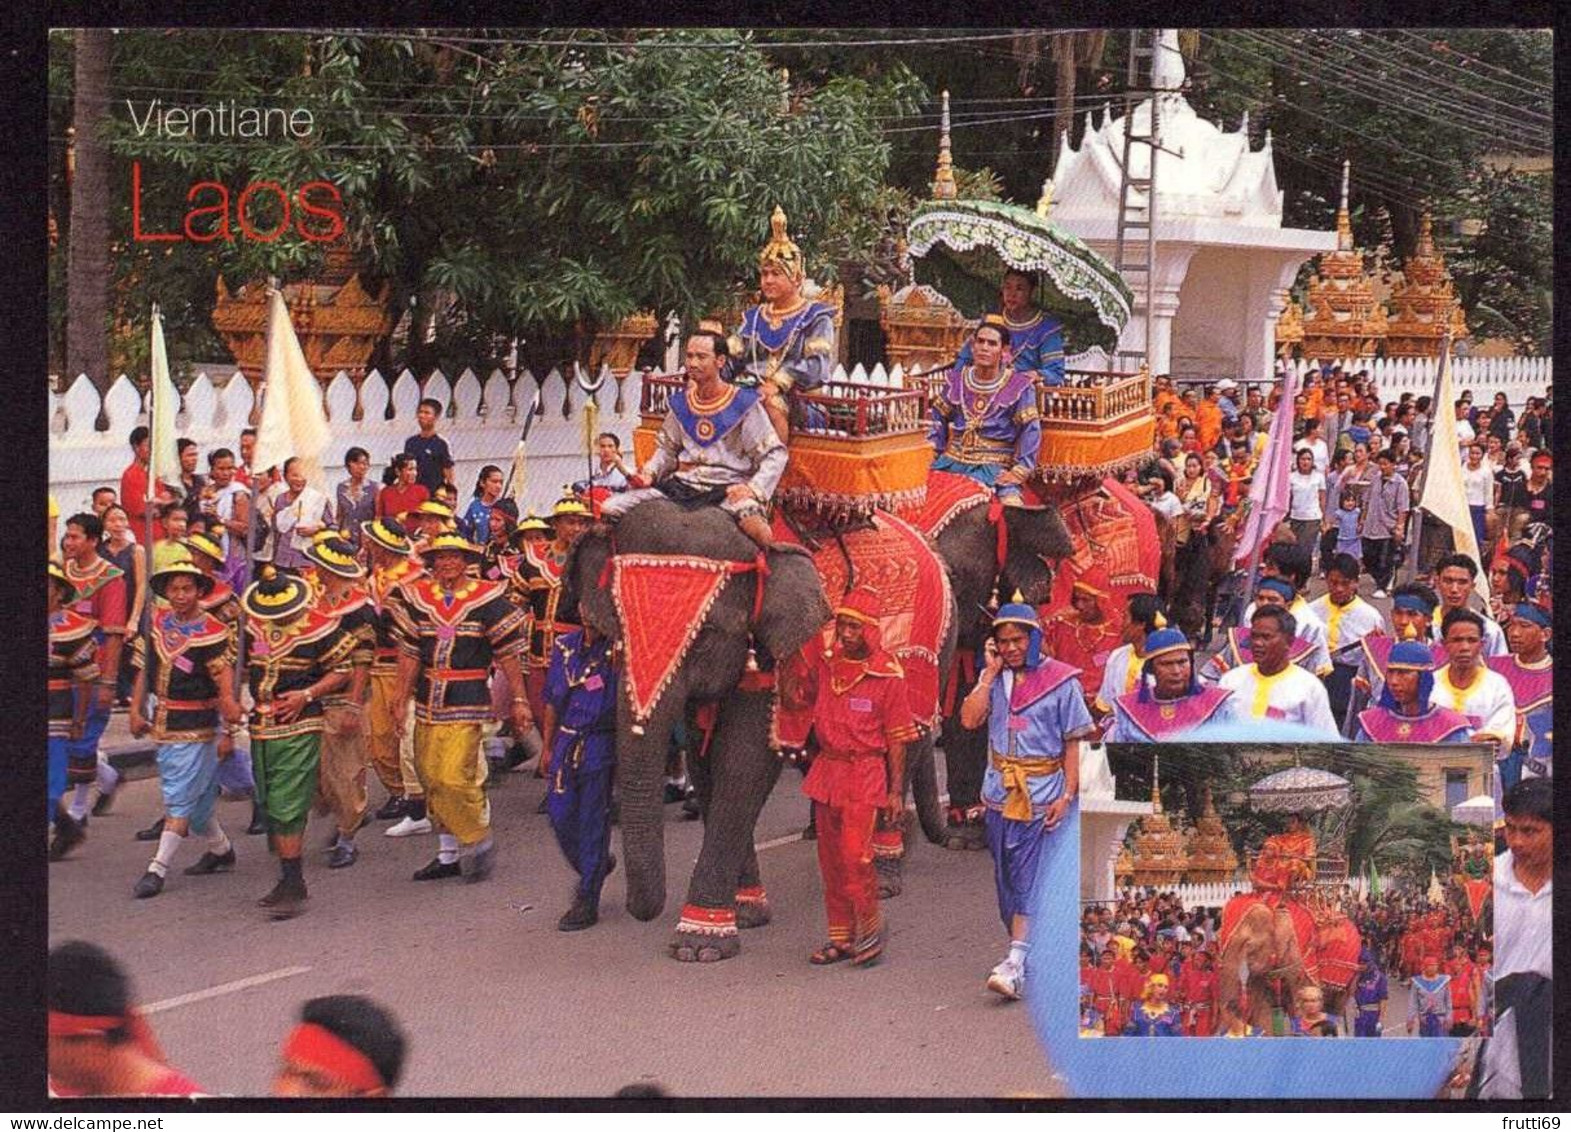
[
  {"x": 1444, "y": 497},
  {"x": 293, "y": 420},
  {"x": 164, "y": 400}
]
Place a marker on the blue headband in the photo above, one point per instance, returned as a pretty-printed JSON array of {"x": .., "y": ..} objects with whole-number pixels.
[
  {"x": 1413, "y": 604},
  {"x": 1277, "y": 585},
  {"x": 1528, "y": 611}
]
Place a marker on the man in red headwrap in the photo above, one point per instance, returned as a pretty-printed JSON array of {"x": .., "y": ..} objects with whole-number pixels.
[
  {"x": 344, "y": 1046},
  {"x": 863, "y": 722}
]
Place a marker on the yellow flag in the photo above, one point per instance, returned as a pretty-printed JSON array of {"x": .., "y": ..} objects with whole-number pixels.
[
  {"x": 293, "y": 420},
  {"x": 164, "y": 400},
  {"x": 1444, "y": 498}
]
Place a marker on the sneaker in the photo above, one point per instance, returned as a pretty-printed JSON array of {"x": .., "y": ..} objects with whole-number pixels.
[
  {"x": 211, "y": 862},
  {"x": 343, "y": 855},
  {"x": 392, "y": 809},
  {"x": 1006, "y": 979},
  {"x": 150, "y": 884},
  {"x": 1378, "y": 594},
  {"x": 438, "y": 870},
  {"x": 409, "y": 827}
]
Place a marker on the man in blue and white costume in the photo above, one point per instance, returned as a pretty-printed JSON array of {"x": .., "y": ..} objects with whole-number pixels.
[
  {"x": 1036, "y": 338},
  {"x": 1036, "y": 717},
  {"x": 786, "y": 343},
  {"x": 985, "y": 421}
]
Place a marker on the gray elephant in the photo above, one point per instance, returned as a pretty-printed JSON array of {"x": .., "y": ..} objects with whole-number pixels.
[
  {"x": 738, "y": 769},
  {"x": 968, "y": 543}
]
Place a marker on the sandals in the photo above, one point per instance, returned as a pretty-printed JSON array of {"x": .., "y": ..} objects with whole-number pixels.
[
  {"x": 868, "y": 955},
  {"x": 829, "y": 953}
]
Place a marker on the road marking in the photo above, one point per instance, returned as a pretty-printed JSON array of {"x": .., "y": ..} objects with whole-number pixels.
[
  {"x": 787, "y": 839},
  {"x": 223, "y": 989}
]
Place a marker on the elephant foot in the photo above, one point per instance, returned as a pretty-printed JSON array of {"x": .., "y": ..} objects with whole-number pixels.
[
  {"x": 705, "y": 935},
  {"x": 752, "y": 907}
]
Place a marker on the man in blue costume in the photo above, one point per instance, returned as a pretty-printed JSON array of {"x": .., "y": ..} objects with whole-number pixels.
[
  {"x": 1036, "y": 717},
  {"x": 787, "y": 342},
  {"x": 1370, "y": 992},
  {"x": 1405, "y": 713},
  {"x": 580, "y": 730},
  {"x": 1429, "y": 1008},
  {"x": 1036, "y": 338},
  {"x": 1172, "y": 701},
  {"x": 985, "y": 422},
  {"x": 716, "y": 446}
]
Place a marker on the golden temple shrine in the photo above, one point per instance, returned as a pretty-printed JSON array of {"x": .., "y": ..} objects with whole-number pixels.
[
  {"x": 1160, "y": 859},
  {"x": 1342, "y": 317},
  {"x": 1424, "y": 304},
  {"x": 1289, "y": 330},
  {"x": 618, "y": 346},
  {"x": 1211, "y": 856},
  {"x": 922, "y": 329},
  {"x": 338, "y": 322}
]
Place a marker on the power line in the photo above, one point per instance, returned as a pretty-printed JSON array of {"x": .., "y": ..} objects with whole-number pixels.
[
  {"x": 442, "y": 38},
  {"x": 1360, "y": 85},
  {"x": 1528, "y": 86}
]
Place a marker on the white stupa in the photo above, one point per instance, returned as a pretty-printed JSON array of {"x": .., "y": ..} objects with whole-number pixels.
[{"x": 1223, "y": 260}]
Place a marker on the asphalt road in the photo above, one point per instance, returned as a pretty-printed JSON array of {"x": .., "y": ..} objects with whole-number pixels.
[{"x": 497, "y": 1002}]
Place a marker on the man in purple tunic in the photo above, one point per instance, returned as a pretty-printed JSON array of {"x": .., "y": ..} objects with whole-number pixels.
[
  {"x": 1174, "y": 702},
  {"x": 1404, "y": 713},
  {"x": 985, "y": 422}
]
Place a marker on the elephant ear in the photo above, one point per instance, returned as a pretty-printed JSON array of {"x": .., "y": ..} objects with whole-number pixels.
[
  {"x": 1038, "y": 533},
  {"x": 794, "y": 604},
  {"x": 581, "y": 589}
]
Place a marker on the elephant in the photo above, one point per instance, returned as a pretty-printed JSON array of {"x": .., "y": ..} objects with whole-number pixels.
[
  {"x": 968, "y": 543},
  {"x": 1263, "y": 955}
]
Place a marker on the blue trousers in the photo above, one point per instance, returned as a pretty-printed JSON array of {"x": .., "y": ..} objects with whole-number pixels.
[
  {"x": 58, "y": 760},
  {"x": 985, "y": 474},
  {"x": 1016, "y": 847},
  {"x": 82, "y": 754},
  {"x": 1429, "y": 1026},
  {"x": 579, "y": 805},
  {"x": 1366, "y": 1023},
  {"x": 234, "y": 773}
]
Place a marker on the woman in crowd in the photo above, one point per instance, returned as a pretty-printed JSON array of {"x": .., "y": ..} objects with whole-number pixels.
[
  {"x": 119, "y": 546},
  {"x": 401, "y": 492},
  {"x": 355, "y": 500},
  {"x": 475, "y": 523}
]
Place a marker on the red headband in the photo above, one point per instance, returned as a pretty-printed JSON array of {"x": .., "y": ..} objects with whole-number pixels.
[
  {"x": 63, "y": 1025},
  {"x": 320, "y": 1048}
]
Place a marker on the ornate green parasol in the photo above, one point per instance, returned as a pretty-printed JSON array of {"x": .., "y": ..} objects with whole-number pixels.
[{"x": 964, "y": 247}]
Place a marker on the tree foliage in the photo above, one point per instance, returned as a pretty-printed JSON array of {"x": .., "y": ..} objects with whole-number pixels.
[{"x": 505, "y": 189}]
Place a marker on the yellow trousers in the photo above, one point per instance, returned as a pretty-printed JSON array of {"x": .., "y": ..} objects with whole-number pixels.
[
  {"x": 392, "y": 754},
  {"x": 448, "y": 758},
  {"x": 341, "y": 775}
]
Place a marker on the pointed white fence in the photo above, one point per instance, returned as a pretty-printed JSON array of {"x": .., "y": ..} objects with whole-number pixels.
[{"x": 89, "y": 433}]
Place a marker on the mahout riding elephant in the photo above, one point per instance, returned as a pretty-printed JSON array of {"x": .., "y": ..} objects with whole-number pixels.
[{"x": 1269, "y": 953}]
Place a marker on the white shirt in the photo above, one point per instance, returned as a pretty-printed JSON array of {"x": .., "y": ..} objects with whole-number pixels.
[
  {"x": 1321, "y": 452},
  {"x": 1488, "y": 702},
  {"x": 1465, "y": 434},
  {"x": 1304, "y": 494},
  {"x": 1311, "y": 628},
  {"x": 1346, "y": 625},
  {"x": 1166, "y": 504},
  {"x": 1292, "y": 694},
  {"x": 1121, "y": 674},
  {"x": 1523, "y": 930},
  {"x": 1478, "y": 484}
]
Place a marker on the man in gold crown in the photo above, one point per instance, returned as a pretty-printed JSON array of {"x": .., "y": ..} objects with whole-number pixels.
[
  {"x": 786, "y": 342},
  {"x": 985, "y": 422}
]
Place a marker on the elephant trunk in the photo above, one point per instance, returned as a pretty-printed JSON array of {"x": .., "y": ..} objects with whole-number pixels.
[{"x": 640, "y": 775}]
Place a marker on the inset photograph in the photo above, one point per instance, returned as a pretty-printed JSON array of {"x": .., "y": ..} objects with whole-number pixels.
[{"x": 1275, "y": 890}]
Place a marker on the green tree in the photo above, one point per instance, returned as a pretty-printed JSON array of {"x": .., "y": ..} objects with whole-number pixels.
[{"x": 530, "y": 186}]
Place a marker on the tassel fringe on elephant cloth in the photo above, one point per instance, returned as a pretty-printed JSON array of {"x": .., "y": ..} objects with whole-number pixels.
[
  {"x": 895, "y": 559},
  {"x": 663, "y": 601}
]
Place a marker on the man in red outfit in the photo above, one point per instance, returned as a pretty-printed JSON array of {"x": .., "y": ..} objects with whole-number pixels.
[
  {"x": 1197, "y": 987},
  {"x": 863, "y": 722},
  {"x": 133, "y": 486}
]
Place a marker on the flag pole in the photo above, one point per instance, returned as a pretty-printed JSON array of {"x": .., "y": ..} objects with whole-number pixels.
[
  {"x": 251, "y": 516},
  {"x": 145, "y": 621},
  {"x": 1416, "y": 524}
]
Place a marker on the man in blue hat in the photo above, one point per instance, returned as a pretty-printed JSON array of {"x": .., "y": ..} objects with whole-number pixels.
[
  {"x": 1169, "y": 699},
  {"x": 1370, "y": 992},
  {"x": 1036, "y": 717},
  {"x": 1529, "y": 670},
  {"x": 1404, "y": 713}
]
